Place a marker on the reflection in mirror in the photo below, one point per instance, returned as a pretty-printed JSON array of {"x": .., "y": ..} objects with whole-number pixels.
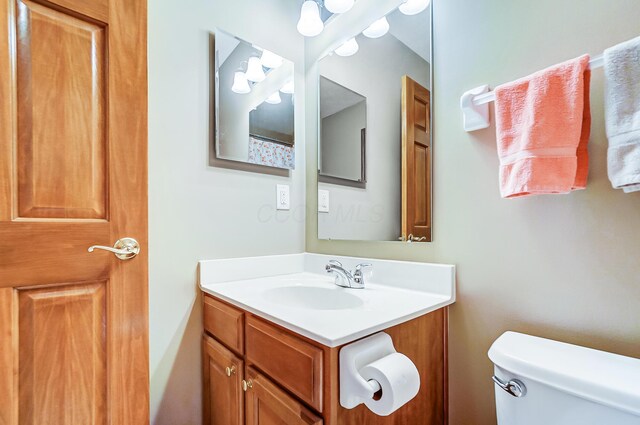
[
  {"x": 375, "y": 134},
  {"x": 254, "y": 104},
  {"x": 343, "y": 129}
]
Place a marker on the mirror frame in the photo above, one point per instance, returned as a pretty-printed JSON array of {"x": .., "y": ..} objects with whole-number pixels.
[{"x": 361, "y": 183}]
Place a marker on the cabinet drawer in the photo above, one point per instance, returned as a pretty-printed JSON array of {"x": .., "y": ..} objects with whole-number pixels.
[
  {"x": 225, "y": 323},
  {"x": 290, "y": 361}
]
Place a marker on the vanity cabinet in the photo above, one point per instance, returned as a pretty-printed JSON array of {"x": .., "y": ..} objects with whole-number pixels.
[{"x": 259, "y": 373}]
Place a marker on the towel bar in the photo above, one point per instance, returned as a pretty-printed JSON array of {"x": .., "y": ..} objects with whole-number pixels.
[{"x": 475, "y": 102}]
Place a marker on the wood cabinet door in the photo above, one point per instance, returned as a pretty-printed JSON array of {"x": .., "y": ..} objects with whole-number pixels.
[
  {"x": 223, "y": 398},
  {"x": 416, "y": 161},
  {"x": 266, "y": 404},
  {"x": 73, "y": 173}
]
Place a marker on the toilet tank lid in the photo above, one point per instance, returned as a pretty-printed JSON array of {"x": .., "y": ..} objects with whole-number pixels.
[{"x": 602, "y": 377}]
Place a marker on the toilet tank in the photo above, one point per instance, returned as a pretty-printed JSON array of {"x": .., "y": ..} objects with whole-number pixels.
[{"x": 563, "y": 384}]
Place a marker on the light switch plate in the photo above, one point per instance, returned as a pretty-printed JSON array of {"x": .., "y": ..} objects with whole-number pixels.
[
  {"x": 283, "y": 201},
  {"x": 323, "y": 201}
]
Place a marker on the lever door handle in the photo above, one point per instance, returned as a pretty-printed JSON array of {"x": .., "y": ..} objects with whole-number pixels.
[{"x": 124, "y": 249}]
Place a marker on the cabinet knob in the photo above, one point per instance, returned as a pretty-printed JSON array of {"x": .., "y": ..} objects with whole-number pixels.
[
  {"x": 230, "y": 370},
  {"x": 246, "y": 384}
]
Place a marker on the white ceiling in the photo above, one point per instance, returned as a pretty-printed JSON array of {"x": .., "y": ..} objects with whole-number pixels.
[
  {"x": 225, "y": 45},
  {"x": 335, "y": 98},
  {"x": 413, "y": 31}
]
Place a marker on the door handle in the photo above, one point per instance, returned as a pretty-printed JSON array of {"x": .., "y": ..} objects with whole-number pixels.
[{"x": 124, "y": 249}]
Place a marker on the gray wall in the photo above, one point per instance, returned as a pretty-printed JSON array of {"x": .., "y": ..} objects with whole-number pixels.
[
  {"x": 196, "y": 211},
  {"x": 375, "y": 72},
  {"x": 563, "y": 267}
]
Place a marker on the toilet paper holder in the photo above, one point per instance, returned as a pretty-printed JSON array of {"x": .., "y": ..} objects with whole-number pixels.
[{"x": 354, "y": 389}]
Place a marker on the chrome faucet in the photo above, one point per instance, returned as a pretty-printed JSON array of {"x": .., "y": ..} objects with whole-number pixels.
[{"x": 345, "y": 278}]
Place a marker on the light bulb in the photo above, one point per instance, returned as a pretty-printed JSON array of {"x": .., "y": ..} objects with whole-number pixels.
[
  {"x": 348, "y": 48},
  {"x": 274, "y": 99},
  {"x": 288, "y": 87},
  {"x": 255, "y": 72},
  {"x": 377, "y": 29},
  {"x": 240, "y": 83},
  {"x": 413, "y": 7},
  {"x": 310, "y": 23},
  {"x": 338, "y": 6},
  {"x": 270, "y": 59}
]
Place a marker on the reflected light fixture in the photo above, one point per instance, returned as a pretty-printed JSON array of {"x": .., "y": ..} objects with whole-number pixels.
[
  {"x": 274, "y": 99},
  {"x": 413, "y": 7},
  {"x": 377, "y": 29},
  {"x": 348, "y": 48},
  {"x": 255, "y": 72},
  {"x": 240, "y": 83},
  {"x": 338, "y": 6},
  {"x": 270, "y": 59},
  {"x": 288, "y": 87},
  {"x": 310, "y": 23}
]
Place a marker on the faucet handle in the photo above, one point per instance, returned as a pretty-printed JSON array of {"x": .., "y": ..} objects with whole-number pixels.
[
  {"x": 335, "y": 263},
  {"x": 358, "y": 276},
  {"x": 361, "y": 266}
]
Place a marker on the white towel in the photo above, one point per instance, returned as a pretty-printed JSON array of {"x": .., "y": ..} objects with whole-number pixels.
[{"x": 622, "y": 114}]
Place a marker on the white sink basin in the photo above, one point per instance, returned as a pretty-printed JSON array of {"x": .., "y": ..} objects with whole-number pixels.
[{"x": 313, "y": 298}]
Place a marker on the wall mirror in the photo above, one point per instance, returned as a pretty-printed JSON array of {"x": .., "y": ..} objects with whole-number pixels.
[
  {"x": 375, "y": 148},
  {"x": 253, "y": 104},
  {"x": 343, "y": 129}
]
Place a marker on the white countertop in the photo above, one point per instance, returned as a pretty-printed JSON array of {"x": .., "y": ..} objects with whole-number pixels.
[{"x": 311, "y": 304}]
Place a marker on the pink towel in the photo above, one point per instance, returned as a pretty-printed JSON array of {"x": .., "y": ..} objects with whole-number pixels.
[{"x": 543, "y": 123}]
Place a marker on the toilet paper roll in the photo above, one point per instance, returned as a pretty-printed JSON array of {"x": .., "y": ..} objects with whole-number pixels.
[{"x": 399, "y": 379}]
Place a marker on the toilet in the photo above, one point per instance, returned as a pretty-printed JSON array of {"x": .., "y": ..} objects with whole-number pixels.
[{"x": 543, "y": 382}]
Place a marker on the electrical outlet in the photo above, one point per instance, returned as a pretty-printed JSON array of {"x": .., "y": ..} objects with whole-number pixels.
[
  {"x": 323, "y": 201},
  {"x": 282, "y": 197}
]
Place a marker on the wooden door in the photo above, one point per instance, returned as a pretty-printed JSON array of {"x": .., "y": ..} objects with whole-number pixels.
[
  {"x": 223, "y": 398},
  {"x": 416, "y": 161},
  {"x": 73, "y": 173},
  {"x": 266, "y": 404}
]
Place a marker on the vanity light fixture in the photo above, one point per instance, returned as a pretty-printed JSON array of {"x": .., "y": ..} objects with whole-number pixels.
[
  {"x": 240, "y": 83},
  {"x": 338, "y": 6},
  {"x": 413, "y": 7},
  {"x": 270, "y": 59},
  {"x": 310, "y": 23},
  {"x": 255, "y": 72},
  {"x": 377, "y": 29},
  {"x": 274, "y": 99},
  {"x": 288, "y": 87},
  {"x": 348, "y": 48}
]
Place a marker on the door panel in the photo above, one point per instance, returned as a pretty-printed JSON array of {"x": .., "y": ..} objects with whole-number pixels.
[
  {"x": 416, "y": 161},
  {"x": 96, "y": 9},
  {"x": 266, "y": 404},
  {"x": 223, "y": 395},
  {"x": 73, "y": 173},
  {"x": 62, "y": 353},
  {"x": 61, "y": 136}
]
